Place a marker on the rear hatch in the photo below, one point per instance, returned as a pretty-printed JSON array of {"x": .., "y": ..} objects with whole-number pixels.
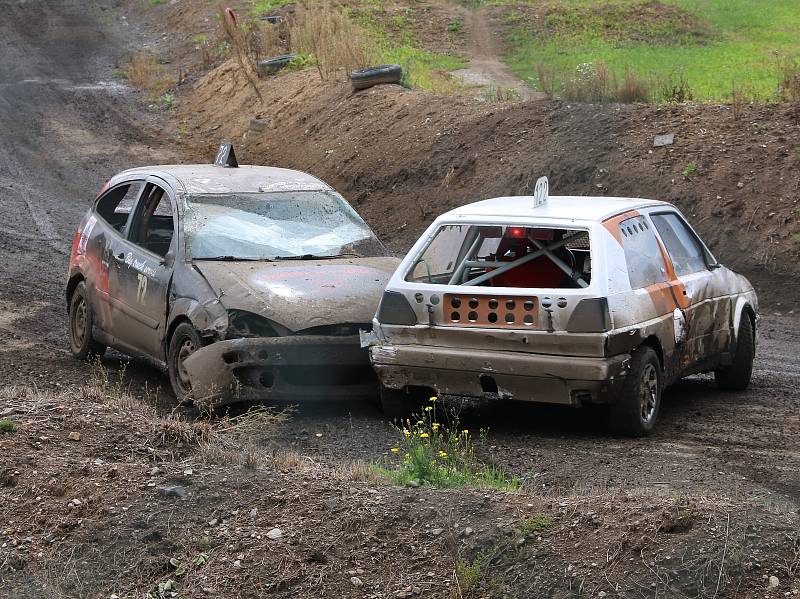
[{"x": 501, "y": 287}]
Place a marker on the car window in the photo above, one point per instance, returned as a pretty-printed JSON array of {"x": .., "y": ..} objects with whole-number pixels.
[
  {"x": 152, "y": 227},
  {"x": 682, "y": 246},
  {"x": 504, "y": 256},
  {"x": 116, "y": 204},
  {"x": 642, "y": 253},
  {"x": 276, "y": 225}
]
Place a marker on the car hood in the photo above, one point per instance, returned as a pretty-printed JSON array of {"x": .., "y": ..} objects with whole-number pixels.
[{"x": 302, "y": 294}]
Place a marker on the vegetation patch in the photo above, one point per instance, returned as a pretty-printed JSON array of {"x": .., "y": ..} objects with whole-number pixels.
[
  {"x": 7, "y": 425},
  {"x": 145, "y": 72},
  {"x": 712, "y": 43},
  {"x": 431, "y": 453}
]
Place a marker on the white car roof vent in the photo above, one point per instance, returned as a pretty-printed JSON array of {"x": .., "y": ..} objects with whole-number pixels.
[{"x": 540, "y": 192}]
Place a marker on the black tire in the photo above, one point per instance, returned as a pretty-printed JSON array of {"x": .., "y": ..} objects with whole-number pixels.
[
  {"x": 736, "y": 377},
  {"x": 399, "y": 404},
  {"x": 276, "y": 63},
  {"x": 366, "y": 78},
  {"x": 184, "y": 342},
  {"x": 81, "y": 320},
  {"x": 635, "y": 411}
]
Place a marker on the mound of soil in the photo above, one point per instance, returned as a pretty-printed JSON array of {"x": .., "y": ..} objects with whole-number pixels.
[{"x": 402, "y": 157}]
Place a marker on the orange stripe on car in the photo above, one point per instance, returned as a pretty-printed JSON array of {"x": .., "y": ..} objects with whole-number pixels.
[{"x": 612, "y": 223}]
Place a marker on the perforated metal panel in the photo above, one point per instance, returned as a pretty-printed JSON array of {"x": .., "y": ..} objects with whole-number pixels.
[{"x": 498, "y": 312}]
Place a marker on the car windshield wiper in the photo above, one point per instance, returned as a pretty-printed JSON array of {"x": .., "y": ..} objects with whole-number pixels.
[
  {"x": 233, "y": 259},
  {"x": 317, "y": 256}
]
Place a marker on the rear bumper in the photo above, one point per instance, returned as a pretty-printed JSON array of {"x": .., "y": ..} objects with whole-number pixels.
[
  {"x": 515, "y": 375},
  {"x": 285, "y": 368}
]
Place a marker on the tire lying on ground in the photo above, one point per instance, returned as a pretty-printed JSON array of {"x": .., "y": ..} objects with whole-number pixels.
[
  {"x": 276, "y": 63},
  {"x": 366, "y": 78}
]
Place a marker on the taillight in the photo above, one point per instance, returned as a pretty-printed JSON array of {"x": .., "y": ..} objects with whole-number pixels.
[
  {"x": 590, "y": 316},
  {"x": 395, "y": 309}
]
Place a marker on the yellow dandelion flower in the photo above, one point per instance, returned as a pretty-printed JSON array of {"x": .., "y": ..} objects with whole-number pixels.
[
  {"x": 406, "y": 432},
  {"x": 434, "y": 398},
  {"x": 428, "y": 408},
  {"x": 420, "y": 422},
  {"x": 442, "y": 454},
  {"x": 435, "y": 426},
  {"x": 465, "y": 432},
  {"x": 424, "y": 435},
  {"x": 394, "y": 449}
]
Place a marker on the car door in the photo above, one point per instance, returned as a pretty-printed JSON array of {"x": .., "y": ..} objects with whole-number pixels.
[
  {"x": 701, "y": 289},
  {"x": 102, "y": 232},
  {"x": 142, "y": 270}
]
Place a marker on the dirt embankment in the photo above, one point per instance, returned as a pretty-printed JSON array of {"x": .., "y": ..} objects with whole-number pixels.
[{"x": 402, "y": 157}]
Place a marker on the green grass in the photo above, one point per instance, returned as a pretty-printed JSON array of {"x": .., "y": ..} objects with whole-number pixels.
[
  {"x": 7, "y": 425},
  {"x": 732, "y": 40},
  {"x": 535, "y": 524},
  {"x": 262, "y": 7}
]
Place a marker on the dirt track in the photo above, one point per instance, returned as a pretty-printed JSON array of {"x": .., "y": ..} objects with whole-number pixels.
[{"x": 68, "y": 125}]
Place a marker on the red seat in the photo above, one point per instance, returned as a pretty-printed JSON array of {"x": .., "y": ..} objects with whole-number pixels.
[{"x": 539, "y": 272}]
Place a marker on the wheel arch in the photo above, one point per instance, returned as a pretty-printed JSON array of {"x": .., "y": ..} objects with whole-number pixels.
[
  {"x": 72, "y": 284},
  {"x": 653, "y": 342}
]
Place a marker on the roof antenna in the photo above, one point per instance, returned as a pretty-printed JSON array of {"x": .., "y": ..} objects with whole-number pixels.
[
  {"x": 226, "y": 156},
  {"x": 540, "y": 192}
]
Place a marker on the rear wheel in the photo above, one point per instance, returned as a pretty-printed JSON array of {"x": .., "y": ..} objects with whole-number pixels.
[
  {"x": 736, "y": 377},
  {"x": 185, "y": 341},
  {"x": 635, "y": 412},
  {"x": 81, "y": 321}
]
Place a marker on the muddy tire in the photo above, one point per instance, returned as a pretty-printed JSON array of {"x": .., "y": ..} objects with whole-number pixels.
[
  {"x": 81, "y": 319},
  {"x": 736, "y": 377},
  {"x": 184, "y": 342},
  {"x": 366, "y": 78},
  {"x": 399, "y": 404},
  {"x": 274, "y": 64},
  {"x": 636, "y": 410}
]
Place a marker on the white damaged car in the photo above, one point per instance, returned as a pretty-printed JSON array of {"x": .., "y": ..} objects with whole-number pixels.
[{"x": 562, "y": 300}]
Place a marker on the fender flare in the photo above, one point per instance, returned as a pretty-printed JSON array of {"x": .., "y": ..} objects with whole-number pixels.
[{"x": 742, "y": 304}]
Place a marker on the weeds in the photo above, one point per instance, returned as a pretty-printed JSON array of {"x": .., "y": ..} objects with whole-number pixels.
[
  {"x": 535, "y": 524},
  {"x": 473, "y": 580},
  {"x": 456, "y": 25},
  {"x": 7, "y": 425},
  {"x": 263, "y": 7},
  {"x": 334, "y": 41},
  {"x": 429, "y": 453},
  {"x": 547, "y": 79},
  {"x": 591, "y": 82},
  {"x": 169, "y": 101},
  {"x": 675, "y": 88},
  {"x": 500, "y": 94},
  {"x": 238, "y": 38},
  {"x": 689, "y": 170},
  {"x": 145, "y": 72},
  {"x": 789, "y": 79},
  {"x": 633, "y": 89}
]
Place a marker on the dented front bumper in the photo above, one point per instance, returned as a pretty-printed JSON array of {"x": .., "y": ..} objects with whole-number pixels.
[
  {"x": 513, "y": 375},
  {"x": 285, "y": 368}
]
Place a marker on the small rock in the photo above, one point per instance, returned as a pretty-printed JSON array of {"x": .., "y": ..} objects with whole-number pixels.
[
  {"x": 329, "y": 504},
  {"x": 175, "y": 491},
  {"x": 213, "y": 522},
  {"x": 437, "y": 531},
  {"x": 413, "y": 483},
  {"x": 774, "y": 581},
  {"x": 740, "y": 185},
  {"x": 275, "y": 533},
  {"x": 188, "y": 472},
  {"x": 257, "y": 124},
  {"x": 663, "y": 140},
  {"x": 356, "y": 582},
  {"x": 74, "y": 436},
  {"x": 467, "y": 531},
  {"x": 602, "y": 594},
  {"x": 76, "y": 503},
  {"x": 155, "y": 471},
  {"x": 417, "y": 590},
  {"x": 254, "y": 512},
  {"x": 237, "y": 563}
]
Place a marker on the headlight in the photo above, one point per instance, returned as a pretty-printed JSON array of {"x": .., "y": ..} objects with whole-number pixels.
[{"x": 243, "y": 324}]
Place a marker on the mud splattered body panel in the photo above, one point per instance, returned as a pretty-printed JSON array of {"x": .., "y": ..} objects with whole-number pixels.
[
  {"x": 269, "y": 327},
  {"x": 623, "y": 290}
]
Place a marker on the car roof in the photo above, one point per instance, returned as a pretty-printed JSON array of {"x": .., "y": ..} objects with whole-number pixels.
[
  {"x": 209, "y": 179},
  {"x": 578, "y": 208}
]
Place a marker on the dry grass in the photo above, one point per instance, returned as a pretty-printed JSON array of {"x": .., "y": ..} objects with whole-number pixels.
[
  {"x": 547, "y": 79},
  {"x": 633, "y": 89},
  {"x": 239, "y": 39},
  {"x": 145, "y": 72},
  {"x": 331, "y": 38},
  {"x": 591, "y": 82},
  {"x": 741, "y": 96},
  {"x": 789, "y": 85}
]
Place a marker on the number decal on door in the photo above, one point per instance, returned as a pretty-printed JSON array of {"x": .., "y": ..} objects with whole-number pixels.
[{"x": 141, "y": 291}]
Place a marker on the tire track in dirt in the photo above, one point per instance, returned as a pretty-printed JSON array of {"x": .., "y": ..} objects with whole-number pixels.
[{"x": 485, "y": 66}]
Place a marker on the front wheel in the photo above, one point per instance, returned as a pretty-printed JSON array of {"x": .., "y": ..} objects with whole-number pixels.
[
  {"x": 185, "y": 341},
  {"x": 81, "y": 321},
  {"x": 736, "y": 377},
  {"x": 635, "y": 412}
]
